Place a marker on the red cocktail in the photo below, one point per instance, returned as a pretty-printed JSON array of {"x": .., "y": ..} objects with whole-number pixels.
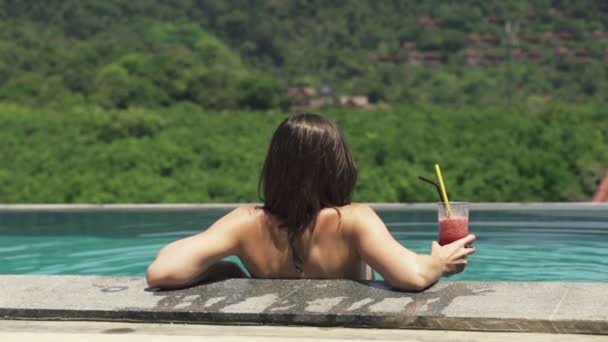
[
  {"x": 452, "y": 229},
  {"x": 455, "y": 224}
]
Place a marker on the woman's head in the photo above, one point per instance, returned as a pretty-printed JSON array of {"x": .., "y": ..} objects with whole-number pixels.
[{"x": 308, "y": 167}]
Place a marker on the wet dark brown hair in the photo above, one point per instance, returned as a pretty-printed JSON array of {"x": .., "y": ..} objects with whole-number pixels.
[{"x": 308, "y": 167}]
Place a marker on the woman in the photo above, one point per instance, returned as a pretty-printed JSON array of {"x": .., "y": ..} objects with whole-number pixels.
[{"x": 307, "y": 227}]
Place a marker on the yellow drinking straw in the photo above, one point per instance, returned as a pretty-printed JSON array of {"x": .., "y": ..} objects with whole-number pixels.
[{"x": 448, "y": 209}]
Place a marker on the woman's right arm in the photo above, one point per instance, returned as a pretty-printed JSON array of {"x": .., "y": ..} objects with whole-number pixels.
[
  {"x": 198, "y": 257},
  {"x": 401, "y": 268}
]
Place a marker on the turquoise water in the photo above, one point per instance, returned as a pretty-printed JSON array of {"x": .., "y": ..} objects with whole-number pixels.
[{"x": 530, "y": 245}]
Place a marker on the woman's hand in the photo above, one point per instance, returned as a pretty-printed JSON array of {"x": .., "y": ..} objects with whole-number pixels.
[{"x": 454, "y": 255}]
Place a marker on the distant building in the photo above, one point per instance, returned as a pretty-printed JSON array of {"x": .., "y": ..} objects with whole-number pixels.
[
  {"x": 493, "y": 19},
  {"x": 473, "y": 39},
  {"x": 536, "y": 56},
  {"x": 355, "y": 102},
  {"x": 518, "y": 54},
  {"x": 531, "y": 15},
  {"x": 565, "y": 35},
  {"x": 381, "y": 57},
  {"x": 301, "y": 96},
  {"x": 490, "y": 39},
  {"x": 529, "y": 37},
  {"x": 304, "y": 98},
  {"x": 562, "y": 52},
  {"x": 431, "y": 58},
  {"x": 599, "y": 34},
  {"x": 414, "y": 57},
  {"x": 408, "y": 45},
  {"x": 472, "y": 57}
]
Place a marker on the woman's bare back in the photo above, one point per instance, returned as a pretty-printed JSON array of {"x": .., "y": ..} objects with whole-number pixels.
[
  {"x": 335, "y": 247},
  {"x": 327, "y": 249}
]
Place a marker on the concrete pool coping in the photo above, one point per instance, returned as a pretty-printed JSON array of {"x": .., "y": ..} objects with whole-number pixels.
[
  {"x": 494, "y": 206},
  {"x": 64, "y": 331},
  {"x": 538, "y": 307}
]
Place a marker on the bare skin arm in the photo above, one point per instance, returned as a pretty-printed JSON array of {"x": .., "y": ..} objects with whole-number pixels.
[
  {"x": 400, "y": 267},
  {"x": 199, "y": 257}
]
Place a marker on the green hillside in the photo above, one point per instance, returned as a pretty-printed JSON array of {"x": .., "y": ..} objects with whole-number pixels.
[
  {"x": 184, "y": 154},
  {"x": 118, "y": 54},
  {"x": 244, "y": 54},
  {"x": 145, "y": 101},
  {"x": 431, "y": 51}
]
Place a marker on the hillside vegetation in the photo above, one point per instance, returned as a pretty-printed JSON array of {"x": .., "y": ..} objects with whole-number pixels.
[
  {"x": 244, "y": 54},
  {"x": 146, "y": 101},
  {"x": 183, "y": 154}
]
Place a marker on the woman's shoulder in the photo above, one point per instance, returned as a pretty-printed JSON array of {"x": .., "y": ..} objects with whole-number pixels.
[
  {"x": 348, "y": 216},
  {"x": 243, "y": 216},
  {"x": 351, "y": 215},
  {"x": 355, "y": 210},
  {"x": 252, "y": 215}
]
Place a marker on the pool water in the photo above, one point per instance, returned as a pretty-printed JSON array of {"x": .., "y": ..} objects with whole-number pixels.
[{"x": 512, "y": 245}]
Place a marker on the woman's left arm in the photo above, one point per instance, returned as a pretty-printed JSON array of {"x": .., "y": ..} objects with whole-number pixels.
[{"x": 197, "y": 258}]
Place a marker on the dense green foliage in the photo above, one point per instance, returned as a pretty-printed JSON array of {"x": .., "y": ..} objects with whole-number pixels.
[
  {"x": 316, "y": 42},
  {"x": 243, "y": 54},
  {"x": 63, "y": 53},
  {"x": 146, "y": 101},
  {"x": 183, "y": 154}
]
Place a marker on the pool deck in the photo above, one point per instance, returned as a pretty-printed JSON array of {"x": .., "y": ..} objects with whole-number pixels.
[
  {"x": 27, "y": 331},
  {"x": 540, "y": 307}
]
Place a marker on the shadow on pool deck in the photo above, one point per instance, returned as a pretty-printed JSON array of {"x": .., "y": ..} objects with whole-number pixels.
[
  {"x": 549, "y": 307},
  {"x": 328, "y": 299}
]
